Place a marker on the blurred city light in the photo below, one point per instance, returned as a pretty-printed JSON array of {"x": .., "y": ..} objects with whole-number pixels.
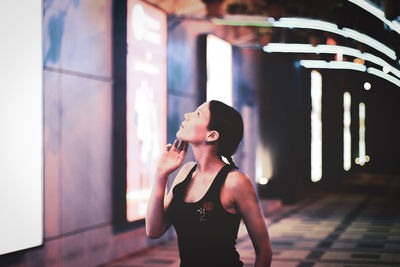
[
  {"x": 316, "y": 126},
  {"x": 367, "y": 86},
  {"x": 346, "y": 131}
]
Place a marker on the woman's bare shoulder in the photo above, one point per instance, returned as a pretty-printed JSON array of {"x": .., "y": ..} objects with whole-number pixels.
[{"x": 238, "y": 182}]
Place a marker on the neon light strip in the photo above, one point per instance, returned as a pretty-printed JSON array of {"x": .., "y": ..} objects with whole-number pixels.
[
  {"x": 329, "y": 49},
  {"x": 363, "y": 38},
  {"x": 361, "y": 141},
  {"x": 384, "y": 76},
  {"x": 316, "y": 126},
  {"x": 331, "y": 27},
  {"x": 321, "y": 64},
  {"x": 308, "y": 24},
  {"x": 374, "y": 10},
  {"x": 346, "y": 131}
]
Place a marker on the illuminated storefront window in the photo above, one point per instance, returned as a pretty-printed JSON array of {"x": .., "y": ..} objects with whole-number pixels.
[
  {"x": 316, "y": 126},
  {"x": 146, "y": 102}
]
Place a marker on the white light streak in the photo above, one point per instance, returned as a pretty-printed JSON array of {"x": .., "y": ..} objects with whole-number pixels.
[
  {"x": 346, "y": 131},
  {"x": 361, "y": 141},
  {"x": 316, "y": 126},
  {"x": 333, "y": 28},
  {"x": 304, "y": 23},
  {"x": 363, "y": 38},
  {"x": 330, "y": 49},
  {"x": 383, "y": 75},
  {"x": 264, "y": 165},
  {"x": 321, "y": 64},
  {"x": 374, "y": 10}
]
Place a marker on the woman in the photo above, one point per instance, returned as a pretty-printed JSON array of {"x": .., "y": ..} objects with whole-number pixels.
[{"x": 208, "y": 197}]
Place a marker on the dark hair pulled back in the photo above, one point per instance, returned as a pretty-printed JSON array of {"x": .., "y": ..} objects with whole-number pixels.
[{"x": 228, "y": 122}]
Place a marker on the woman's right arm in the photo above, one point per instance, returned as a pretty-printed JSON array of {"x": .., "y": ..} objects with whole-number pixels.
[{"x": 156, "y": 219}]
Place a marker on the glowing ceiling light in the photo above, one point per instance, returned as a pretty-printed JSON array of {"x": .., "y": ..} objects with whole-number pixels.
[
  {"x": 367, "y": 86},
  {"x": 330, "y": 49},
  {"x": 289, "y": 48},
  {"x": 260, "y": 21},
  {"x": 374, "y": 10},
  {"x": 363, "y": 38},
  {"x": 244, "y": 20},
  {"x": 386, "y": 69},
  {"x": 321, "y": 64},
  {"x": 383, "y": 75},
  {"x": 307, "y": 24},
  {"x": 331, "y": 27}
]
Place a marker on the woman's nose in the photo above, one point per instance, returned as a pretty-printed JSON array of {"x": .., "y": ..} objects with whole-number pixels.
[{"x": 186, "y": 115}]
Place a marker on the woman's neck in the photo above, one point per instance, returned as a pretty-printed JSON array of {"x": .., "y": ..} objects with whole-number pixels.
[{"x": 207, "y": 160}]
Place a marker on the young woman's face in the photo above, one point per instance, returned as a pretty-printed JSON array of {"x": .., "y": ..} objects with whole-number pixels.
[{"x": 194, "y": 128}]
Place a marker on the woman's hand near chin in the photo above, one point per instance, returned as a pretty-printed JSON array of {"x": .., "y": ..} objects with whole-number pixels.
[{"x": 172, "y": 158}]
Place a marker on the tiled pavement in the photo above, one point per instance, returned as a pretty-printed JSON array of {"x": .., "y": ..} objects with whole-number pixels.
[{"x": 336, "y": 229}]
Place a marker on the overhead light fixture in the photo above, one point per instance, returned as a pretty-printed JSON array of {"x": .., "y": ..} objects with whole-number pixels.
[
  {"x": 322, "y": 64},
  {"x": 260, "y": 21},
  {"x": 377, "y": 12},
  {"x": 333, "y": 28},
  {"x": 330, "y": 49},
  {"x": 383, "y": 75},
  {"x": 363, "y": 38}
]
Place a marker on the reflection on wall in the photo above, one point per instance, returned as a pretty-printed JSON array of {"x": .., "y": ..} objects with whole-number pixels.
[
  {"x": 346, "y": 131},
  {"x": 316, "y": 126},
  {"x": 219, "y": 70},
  {"x": 146, "y": 102},
  {"x": 263, "y": 165}
]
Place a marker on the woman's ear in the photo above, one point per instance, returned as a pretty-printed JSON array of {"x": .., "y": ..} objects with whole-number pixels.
[{"x": 212, "y": 136}]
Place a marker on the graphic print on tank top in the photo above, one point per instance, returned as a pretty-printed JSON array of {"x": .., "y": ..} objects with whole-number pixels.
[{"x": 204, "y": 227}]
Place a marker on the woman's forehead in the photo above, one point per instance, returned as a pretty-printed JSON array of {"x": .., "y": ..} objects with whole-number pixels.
[{"x": 204, "y": 107}]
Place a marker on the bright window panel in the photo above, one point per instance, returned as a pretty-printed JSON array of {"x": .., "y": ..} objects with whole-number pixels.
[
  {"x": 21, "y": 120},
  {"x": 146, "y": 102},
  {"x": 219, "y": 70},
  {"x": 316, "y": 126},
  {"x": 346, "y": 131}
]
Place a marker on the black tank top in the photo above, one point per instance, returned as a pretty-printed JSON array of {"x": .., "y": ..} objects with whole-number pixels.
[{"x": 206, "y": 231}]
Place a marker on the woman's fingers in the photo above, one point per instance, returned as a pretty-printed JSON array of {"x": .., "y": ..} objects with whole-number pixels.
[
  {"x": 181, "y": 145},
  {"x": 182, "y": 153},
  {"x": 167, "y": 147},
  {"x": 174, "y": 147}
]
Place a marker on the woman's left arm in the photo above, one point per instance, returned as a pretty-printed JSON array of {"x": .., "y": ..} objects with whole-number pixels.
[{"x": 246, "y": 201}]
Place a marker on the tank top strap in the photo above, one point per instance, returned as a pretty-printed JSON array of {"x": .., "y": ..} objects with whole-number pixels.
[
  {"x": 179, "y": 188},
  {"x": 219, "y": 181}
]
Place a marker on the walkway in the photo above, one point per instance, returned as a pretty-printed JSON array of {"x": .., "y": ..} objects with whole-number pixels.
[{"x": 335, "y": 229}]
